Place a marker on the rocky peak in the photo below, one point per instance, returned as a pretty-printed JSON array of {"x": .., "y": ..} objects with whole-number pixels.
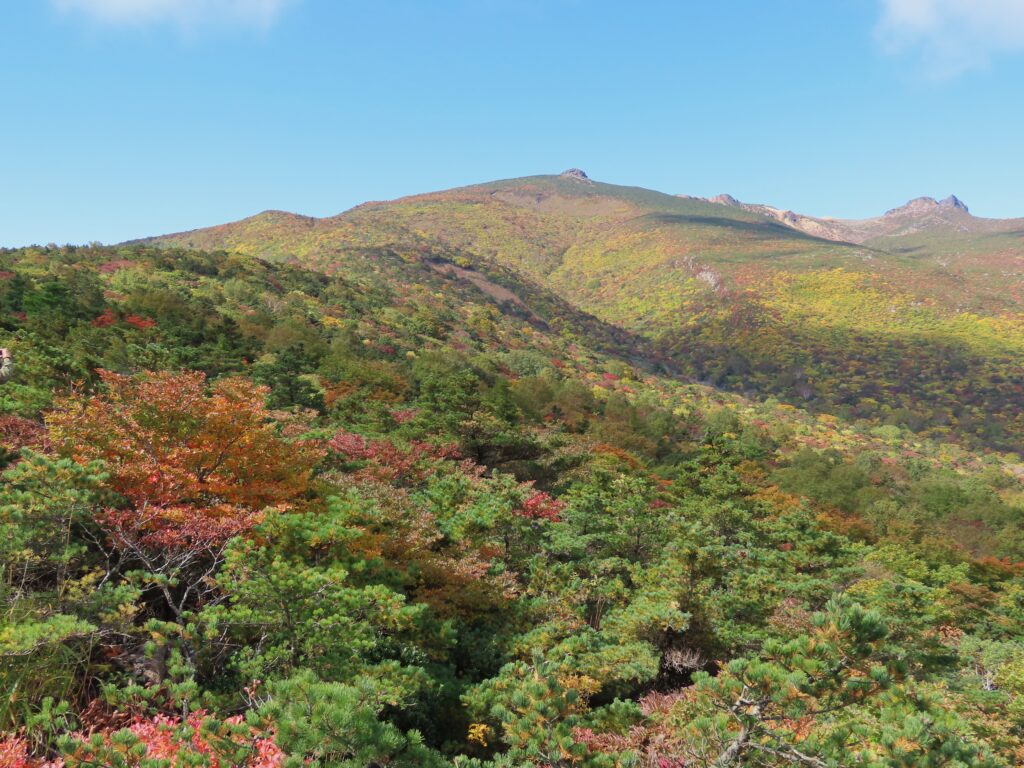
[
  {"x": 726, "y": 200},
  {"x": 575, "y": 173},
  {"x": 927, "y": 205},
  {"x": 917, "y": 205},
  {"x": 954, "y": 202}
]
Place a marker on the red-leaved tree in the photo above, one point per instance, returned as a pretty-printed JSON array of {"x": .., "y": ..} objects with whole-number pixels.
[{"x": 195, "y": 465}]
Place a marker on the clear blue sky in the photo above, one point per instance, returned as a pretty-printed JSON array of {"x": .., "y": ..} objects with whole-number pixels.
[{"x": 125, "y": 118}]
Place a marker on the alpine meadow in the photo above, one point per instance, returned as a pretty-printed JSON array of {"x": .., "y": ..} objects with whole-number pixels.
[{"x": 544, "y": 472}]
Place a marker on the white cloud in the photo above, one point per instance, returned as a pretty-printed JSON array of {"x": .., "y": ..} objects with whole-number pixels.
[
  {"x": 952, "y": 36},
  {"x": 186, "y": 13}
]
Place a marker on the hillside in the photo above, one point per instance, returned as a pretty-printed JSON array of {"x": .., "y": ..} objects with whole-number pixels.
[
  {"x": 914, "y": 318},
  {"x": 504, "y": 477},
  {"x": 436, "y": 516}
]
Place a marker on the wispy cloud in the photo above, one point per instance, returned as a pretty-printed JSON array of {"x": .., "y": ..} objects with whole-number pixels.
[
  {"x": 952, "y": 36},
  {"x": 185, "y": 13}
]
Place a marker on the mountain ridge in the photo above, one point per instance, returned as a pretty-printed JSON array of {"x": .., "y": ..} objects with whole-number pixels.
[
  {"x": 916, "y": 215},
  {"x": 879, "y": 318},
  {"x": 900, "y": 220}
]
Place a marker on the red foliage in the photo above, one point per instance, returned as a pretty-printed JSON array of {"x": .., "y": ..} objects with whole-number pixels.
[
  {"x": 14, "y": 753},
  {"x": 638, "y": 739},
  {"x": 350, "y": 445},
  {"x": 541, "y": 506},
  {"x": 107, "y": 319},
  {"x": 162, "y": 743},
  {"x": 157, "y": 733},
  {"x": 654, "y": 742},
  {"x": 17, "y": 433},
  {"x": 387, "y": 462},
  {"x": 142, "y": 323},
  {"x": 999, "y": 568},
  {"x": 4, "y": 275},
  {"x": 109, "y": 267},
  {"x": 178, "y": 527},
  {"x": 404, "y": 415}
]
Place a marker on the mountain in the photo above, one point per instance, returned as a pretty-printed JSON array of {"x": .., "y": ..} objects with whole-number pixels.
[
  {"x": 947, "y": 224},
  {"x": 913, "y": 318},
  {"x": 426, "y": 484}
]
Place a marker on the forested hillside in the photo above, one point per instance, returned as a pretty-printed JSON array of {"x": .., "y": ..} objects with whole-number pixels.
[
  {"x": 920, "y": 326},
  {"x": 510, "y": 476}
]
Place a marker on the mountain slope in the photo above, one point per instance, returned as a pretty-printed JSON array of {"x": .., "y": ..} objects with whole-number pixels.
[
  {"x": 451, "y": 495},
  {"x": 919, "y": 323}
]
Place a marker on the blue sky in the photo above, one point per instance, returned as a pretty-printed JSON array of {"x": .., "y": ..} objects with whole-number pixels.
[{"x": 125, "y": 118}]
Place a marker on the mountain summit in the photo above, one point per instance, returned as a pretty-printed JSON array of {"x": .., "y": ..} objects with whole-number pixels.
[
  {"x": 575, "y": 173},
  {"x": 916, "y": 217},
  {"x": 954, "y": 202},
  {"x": 926, "y": 205}
]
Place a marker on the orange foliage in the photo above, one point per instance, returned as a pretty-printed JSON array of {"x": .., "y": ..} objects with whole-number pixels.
[
  {"x": 193, "y": 462},
  {"x": 780, "y": 501}
]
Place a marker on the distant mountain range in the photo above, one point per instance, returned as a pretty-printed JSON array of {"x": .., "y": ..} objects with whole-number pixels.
[
  {"x": 879, "y": 317},
  {"x": 948, "y": 217}
]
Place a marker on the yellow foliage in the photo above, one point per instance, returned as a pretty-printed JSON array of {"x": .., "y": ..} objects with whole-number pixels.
[
  {"x": 583, "y": 684},
  {"x": 478, "y": 733}
]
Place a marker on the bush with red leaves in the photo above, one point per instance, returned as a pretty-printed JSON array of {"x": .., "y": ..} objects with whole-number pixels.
[
  {"x": 107, "y": 319},
  {"x": 541, "y": 506},
  {"x": 387, "y": 462},
  {"x": 216, "y": 744},
  {"x": 17, "y": 433},
  {"x": 142, "y": 323}
]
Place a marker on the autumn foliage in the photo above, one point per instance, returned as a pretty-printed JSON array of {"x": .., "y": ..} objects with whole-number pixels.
[
  {"x": 196, "y": 740},
  {"x": 541, "y": 506},
  {"x": 195, "y": 463},
  {"x": 394, "y": 523},
  {"x": 384, "y": 461}
]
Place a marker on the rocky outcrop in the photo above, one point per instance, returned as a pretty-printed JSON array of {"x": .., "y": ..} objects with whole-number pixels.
[
  {"x": 954, "y": 202},
  {"x": 926, "y": 205},
  {"x": 727, "y": 200},
  {"x": 575, "y": 173},
  {"x": 916, "y": 215}
]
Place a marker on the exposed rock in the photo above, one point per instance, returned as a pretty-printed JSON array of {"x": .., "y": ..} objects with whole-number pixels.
[
  {"x": 916, "y": 215},
  {"x": 921, "y": 205},
  {"x": 726, "y": 200},
  {"x": 954, "y": 202},
  {"x": 575, "y": 173},
  {"x": 917, "y": 205},
  {"x": 710, "y": 277}
]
